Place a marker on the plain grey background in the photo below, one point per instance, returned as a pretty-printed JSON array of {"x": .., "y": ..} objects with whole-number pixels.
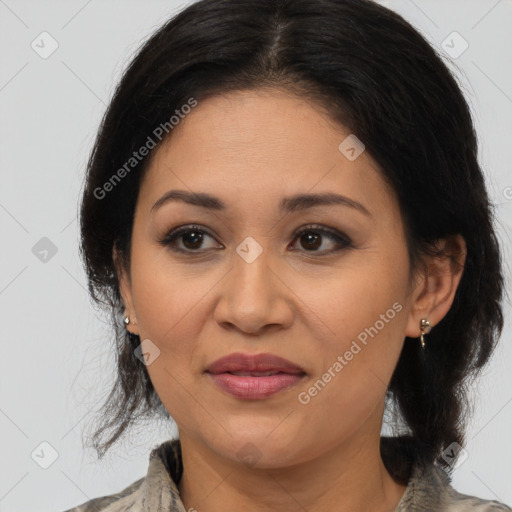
[{"x": 58, "y": 359}]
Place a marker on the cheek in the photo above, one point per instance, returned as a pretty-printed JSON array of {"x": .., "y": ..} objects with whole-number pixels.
[
  {"x": 356, "y": 301},
  {"x": 170, "y": 308},
  {"x": 356, "y": 364},
  {"x": 167, "y": 297},
  {"x": 168, "y": 311},
  {"x": 164, "y": 309},
  {"x": 361, "y": 318}
]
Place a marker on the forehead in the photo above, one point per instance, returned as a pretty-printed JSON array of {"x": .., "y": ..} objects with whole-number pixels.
[{"x": 259, "y": 146}]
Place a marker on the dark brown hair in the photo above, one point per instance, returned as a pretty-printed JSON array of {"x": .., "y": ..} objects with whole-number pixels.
[{"x": 372, "y": 72}]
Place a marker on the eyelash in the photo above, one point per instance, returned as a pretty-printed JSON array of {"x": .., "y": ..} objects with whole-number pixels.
[{"x": 344, "y": 241}]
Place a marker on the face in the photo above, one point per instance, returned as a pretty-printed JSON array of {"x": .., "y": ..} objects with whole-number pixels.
[{"x": 325, "y": 286}]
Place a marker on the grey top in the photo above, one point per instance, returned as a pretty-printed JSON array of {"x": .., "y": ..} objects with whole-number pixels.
[{"x": 428, "y": 489}]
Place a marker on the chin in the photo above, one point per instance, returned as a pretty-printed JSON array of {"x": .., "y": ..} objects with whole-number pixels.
[{"x": 259, "y": 450}]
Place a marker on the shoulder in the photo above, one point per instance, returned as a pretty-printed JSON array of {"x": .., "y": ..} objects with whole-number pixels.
[
  {"x": 117, "y": 502},
  {"x": 457, "y": 502},
  {"x": 156, "y": 491},
  {"x": 430, "y": 488}
]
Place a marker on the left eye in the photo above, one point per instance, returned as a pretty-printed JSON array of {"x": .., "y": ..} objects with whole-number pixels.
[{"x": 311, "y": 238}]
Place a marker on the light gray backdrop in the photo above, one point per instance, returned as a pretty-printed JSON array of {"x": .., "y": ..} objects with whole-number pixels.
[{"x": 57, "y": 359}]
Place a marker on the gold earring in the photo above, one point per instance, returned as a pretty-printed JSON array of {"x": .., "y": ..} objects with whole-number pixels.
[{"x": 425, "y": 329}]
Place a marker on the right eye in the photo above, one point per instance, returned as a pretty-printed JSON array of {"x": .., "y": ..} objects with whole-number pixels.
[{"x": 191, "y": 238}]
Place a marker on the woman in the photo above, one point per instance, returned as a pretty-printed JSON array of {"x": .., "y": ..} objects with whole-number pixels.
[{"x": 285, "y": 211}]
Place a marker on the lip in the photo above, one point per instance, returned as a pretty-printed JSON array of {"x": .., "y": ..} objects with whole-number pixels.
[
  {"x": 240, "y": 362},
  {"x": 253, "y": 387}
]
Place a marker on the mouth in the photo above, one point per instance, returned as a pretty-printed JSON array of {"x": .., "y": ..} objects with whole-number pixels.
[{"x": 254, "y": 376}]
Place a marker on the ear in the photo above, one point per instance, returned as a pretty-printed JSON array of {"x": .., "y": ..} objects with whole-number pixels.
[
  {"x": 435, "y": 286},
  {"x": 125, "y": 289}
]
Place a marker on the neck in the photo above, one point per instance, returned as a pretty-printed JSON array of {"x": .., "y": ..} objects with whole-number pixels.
[{"x": 347, "y": 477}]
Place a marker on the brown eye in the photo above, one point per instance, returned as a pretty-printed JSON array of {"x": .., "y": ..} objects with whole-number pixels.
[
  {"x": 191, "y": 237},
  {"x": 312, "y": 237},
  {"x": 311, "y": 240}
]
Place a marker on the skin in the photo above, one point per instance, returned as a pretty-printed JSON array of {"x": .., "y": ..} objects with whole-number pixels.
[{"x": 251, "y": 149}]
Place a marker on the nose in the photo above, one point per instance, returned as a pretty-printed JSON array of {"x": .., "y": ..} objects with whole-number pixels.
[{"x": 254, "y": 296}]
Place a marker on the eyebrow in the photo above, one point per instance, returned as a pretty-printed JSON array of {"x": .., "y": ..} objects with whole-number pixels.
[{"x": 287, "y": 204}]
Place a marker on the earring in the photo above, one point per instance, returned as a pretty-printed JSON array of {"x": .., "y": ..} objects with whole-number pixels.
[
  {"x": 425, "y": 329},
  {"x": 126, "y": 320}
]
